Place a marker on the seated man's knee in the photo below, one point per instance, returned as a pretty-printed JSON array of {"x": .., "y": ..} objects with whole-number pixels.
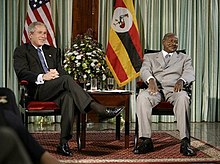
[
  {"x": 66, "y": 77},
  {"x": 144, "y": 96},
  {"x": 64, "y": 97},
  {"x": 183, "y": 96}
]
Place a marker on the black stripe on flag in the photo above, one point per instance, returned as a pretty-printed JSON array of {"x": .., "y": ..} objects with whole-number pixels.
[{"x": 131, "y": 50}]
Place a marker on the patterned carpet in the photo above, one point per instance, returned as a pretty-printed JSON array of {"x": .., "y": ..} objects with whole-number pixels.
[{"x": 101, "y": 147}]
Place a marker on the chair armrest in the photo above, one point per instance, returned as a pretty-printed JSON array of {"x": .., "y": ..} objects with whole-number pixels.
[
  {"x": 23, "y": 93},
  {"x": 142, "y": 85},
  {"x": 23, "y": 82},
  {"x": 188, "y": 88}
]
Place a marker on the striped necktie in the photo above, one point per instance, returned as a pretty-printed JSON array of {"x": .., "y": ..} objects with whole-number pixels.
[{"x": 43, "y": 62}]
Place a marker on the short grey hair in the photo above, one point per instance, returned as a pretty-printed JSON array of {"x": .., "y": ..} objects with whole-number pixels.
[
  {"x": 167, "y": 35},
  {"x": 33, "y": 25}
]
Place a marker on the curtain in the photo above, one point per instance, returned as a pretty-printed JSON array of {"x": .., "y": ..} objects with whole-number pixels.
[
  {"x": 196, "y": 23},
  {"x": 13, "y": 14}
]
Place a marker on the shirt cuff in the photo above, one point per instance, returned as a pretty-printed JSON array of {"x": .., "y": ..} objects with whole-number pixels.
[
  {"x": 39, "y": 79},
  {"x": 150, "y": 77},
  {"x": 183, "y": 80}
]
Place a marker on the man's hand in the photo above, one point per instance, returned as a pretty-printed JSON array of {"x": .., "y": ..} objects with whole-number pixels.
[
  {"x": 152, "y": 87},
  {"x": 178, "y": 86},
  {"x": 50, "y": 75}
]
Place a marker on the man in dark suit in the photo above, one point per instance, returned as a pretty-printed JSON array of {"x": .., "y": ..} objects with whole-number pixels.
[
  {"x": 40, "y": 65},
  {"x": 165, "y": 73}
]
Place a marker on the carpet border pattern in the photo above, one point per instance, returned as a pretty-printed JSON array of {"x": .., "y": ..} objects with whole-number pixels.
[{"x": 212, "y": 153}]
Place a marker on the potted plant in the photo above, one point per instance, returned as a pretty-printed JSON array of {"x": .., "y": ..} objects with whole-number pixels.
[{"x": 86, "y": 60}]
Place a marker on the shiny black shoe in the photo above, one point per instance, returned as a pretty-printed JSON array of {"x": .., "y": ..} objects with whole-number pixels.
[
  {"x": 110, "y": 113},
  {"x": 64, "y": 149},
  {"x": 185, "y": 148},
  {"x": 146, "y": 146}
]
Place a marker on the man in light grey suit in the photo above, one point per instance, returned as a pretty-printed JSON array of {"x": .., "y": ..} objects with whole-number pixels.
[{"x": 165, "y": 72}]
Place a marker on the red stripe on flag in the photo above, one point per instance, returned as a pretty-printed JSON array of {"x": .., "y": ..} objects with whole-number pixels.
[
  {"x": 49, "y": 38},
  {"x": 119, "y": 3},
  {"x": 26, "y": 37},
  {"x": 115, "y": 63},
  {"x": 47, "y": 13},
  {"x": 37, "y": 15},
  {"x": 135, "y": 40},
  {"x": 28, "y": 20}
]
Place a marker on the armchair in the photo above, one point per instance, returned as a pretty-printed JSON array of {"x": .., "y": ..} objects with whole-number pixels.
[{"x": 41, "y": 108}]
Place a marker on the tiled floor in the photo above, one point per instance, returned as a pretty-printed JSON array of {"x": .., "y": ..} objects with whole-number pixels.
[{"x": 207, "y": 132}]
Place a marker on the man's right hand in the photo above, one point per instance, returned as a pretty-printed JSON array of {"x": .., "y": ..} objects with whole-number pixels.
[
  {"x": 152, "y": 87},
  {"x": 50, "y": 75}
]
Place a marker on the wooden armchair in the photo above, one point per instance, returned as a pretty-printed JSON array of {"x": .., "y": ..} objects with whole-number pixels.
[{"x": 41, "y": 108}]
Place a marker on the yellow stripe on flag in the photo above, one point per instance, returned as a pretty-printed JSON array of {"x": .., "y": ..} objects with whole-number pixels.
[
  {"x": 130, "y": 7},
  {"x": 121, "y": 53}
]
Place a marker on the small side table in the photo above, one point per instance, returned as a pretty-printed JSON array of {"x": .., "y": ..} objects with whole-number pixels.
[{"x": 111, "y": 98}]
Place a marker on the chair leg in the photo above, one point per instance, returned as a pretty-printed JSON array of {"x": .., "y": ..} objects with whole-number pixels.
[
  {"x": 22, "y": 117},
  {"x": 26, "y": 120},
  {"x": 83, "y": 131},
  {"x": 55, "y": 118},
  {"x": 78, "y": 138},
  {"x": 118, "y": 123},
  {"x": 188, "y": 125},
  {"x": 136, "y": 133}
]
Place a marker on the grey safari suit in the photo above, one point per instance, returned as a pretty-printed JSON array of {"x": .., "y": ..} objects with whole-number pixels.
[{"x": 179, "y": 66}]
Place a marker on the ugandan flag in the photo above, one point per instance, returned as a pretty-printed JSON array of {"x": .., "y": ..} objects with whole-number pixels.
[{"x": 124, "y": 52}]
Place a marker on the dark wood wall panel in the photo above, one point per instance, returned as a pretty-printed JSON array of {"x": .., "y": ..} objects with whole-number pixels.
[{"x": 85, "y": 16}]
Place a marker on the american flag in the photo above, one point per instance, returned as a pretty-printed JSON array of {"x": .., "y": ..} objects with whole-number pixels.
[{"x": 39, "y": 10}]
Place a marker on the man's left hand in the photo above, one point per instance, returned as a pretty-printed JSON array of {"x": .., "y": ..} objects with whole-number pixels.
[{"x": 178, "y": 86}]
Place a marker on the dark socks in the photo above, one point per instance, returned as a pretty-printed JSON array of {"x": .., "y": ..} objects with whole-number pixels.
[
  {"x": 65, "y": 139},
  {"x": 98, "y": 108},
  {"x": 145, "y": 138},
  {"x": 185, "y": 140}
]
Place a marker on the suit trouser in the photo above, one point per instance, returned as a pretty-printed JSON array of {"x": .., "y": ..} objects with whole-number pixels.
[
  {"x": 145, "y": 103},
  {"x": 69, "y": 96}
]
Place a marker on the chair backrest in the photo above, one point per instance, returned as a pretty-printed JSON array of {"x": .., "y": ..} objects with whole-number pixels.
[{"x": 147, "y": 51}]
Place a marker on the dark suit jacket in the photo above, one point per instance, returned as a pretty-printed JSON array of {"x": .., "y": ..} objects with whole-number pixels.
[{"x": 27, "y": 65}]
